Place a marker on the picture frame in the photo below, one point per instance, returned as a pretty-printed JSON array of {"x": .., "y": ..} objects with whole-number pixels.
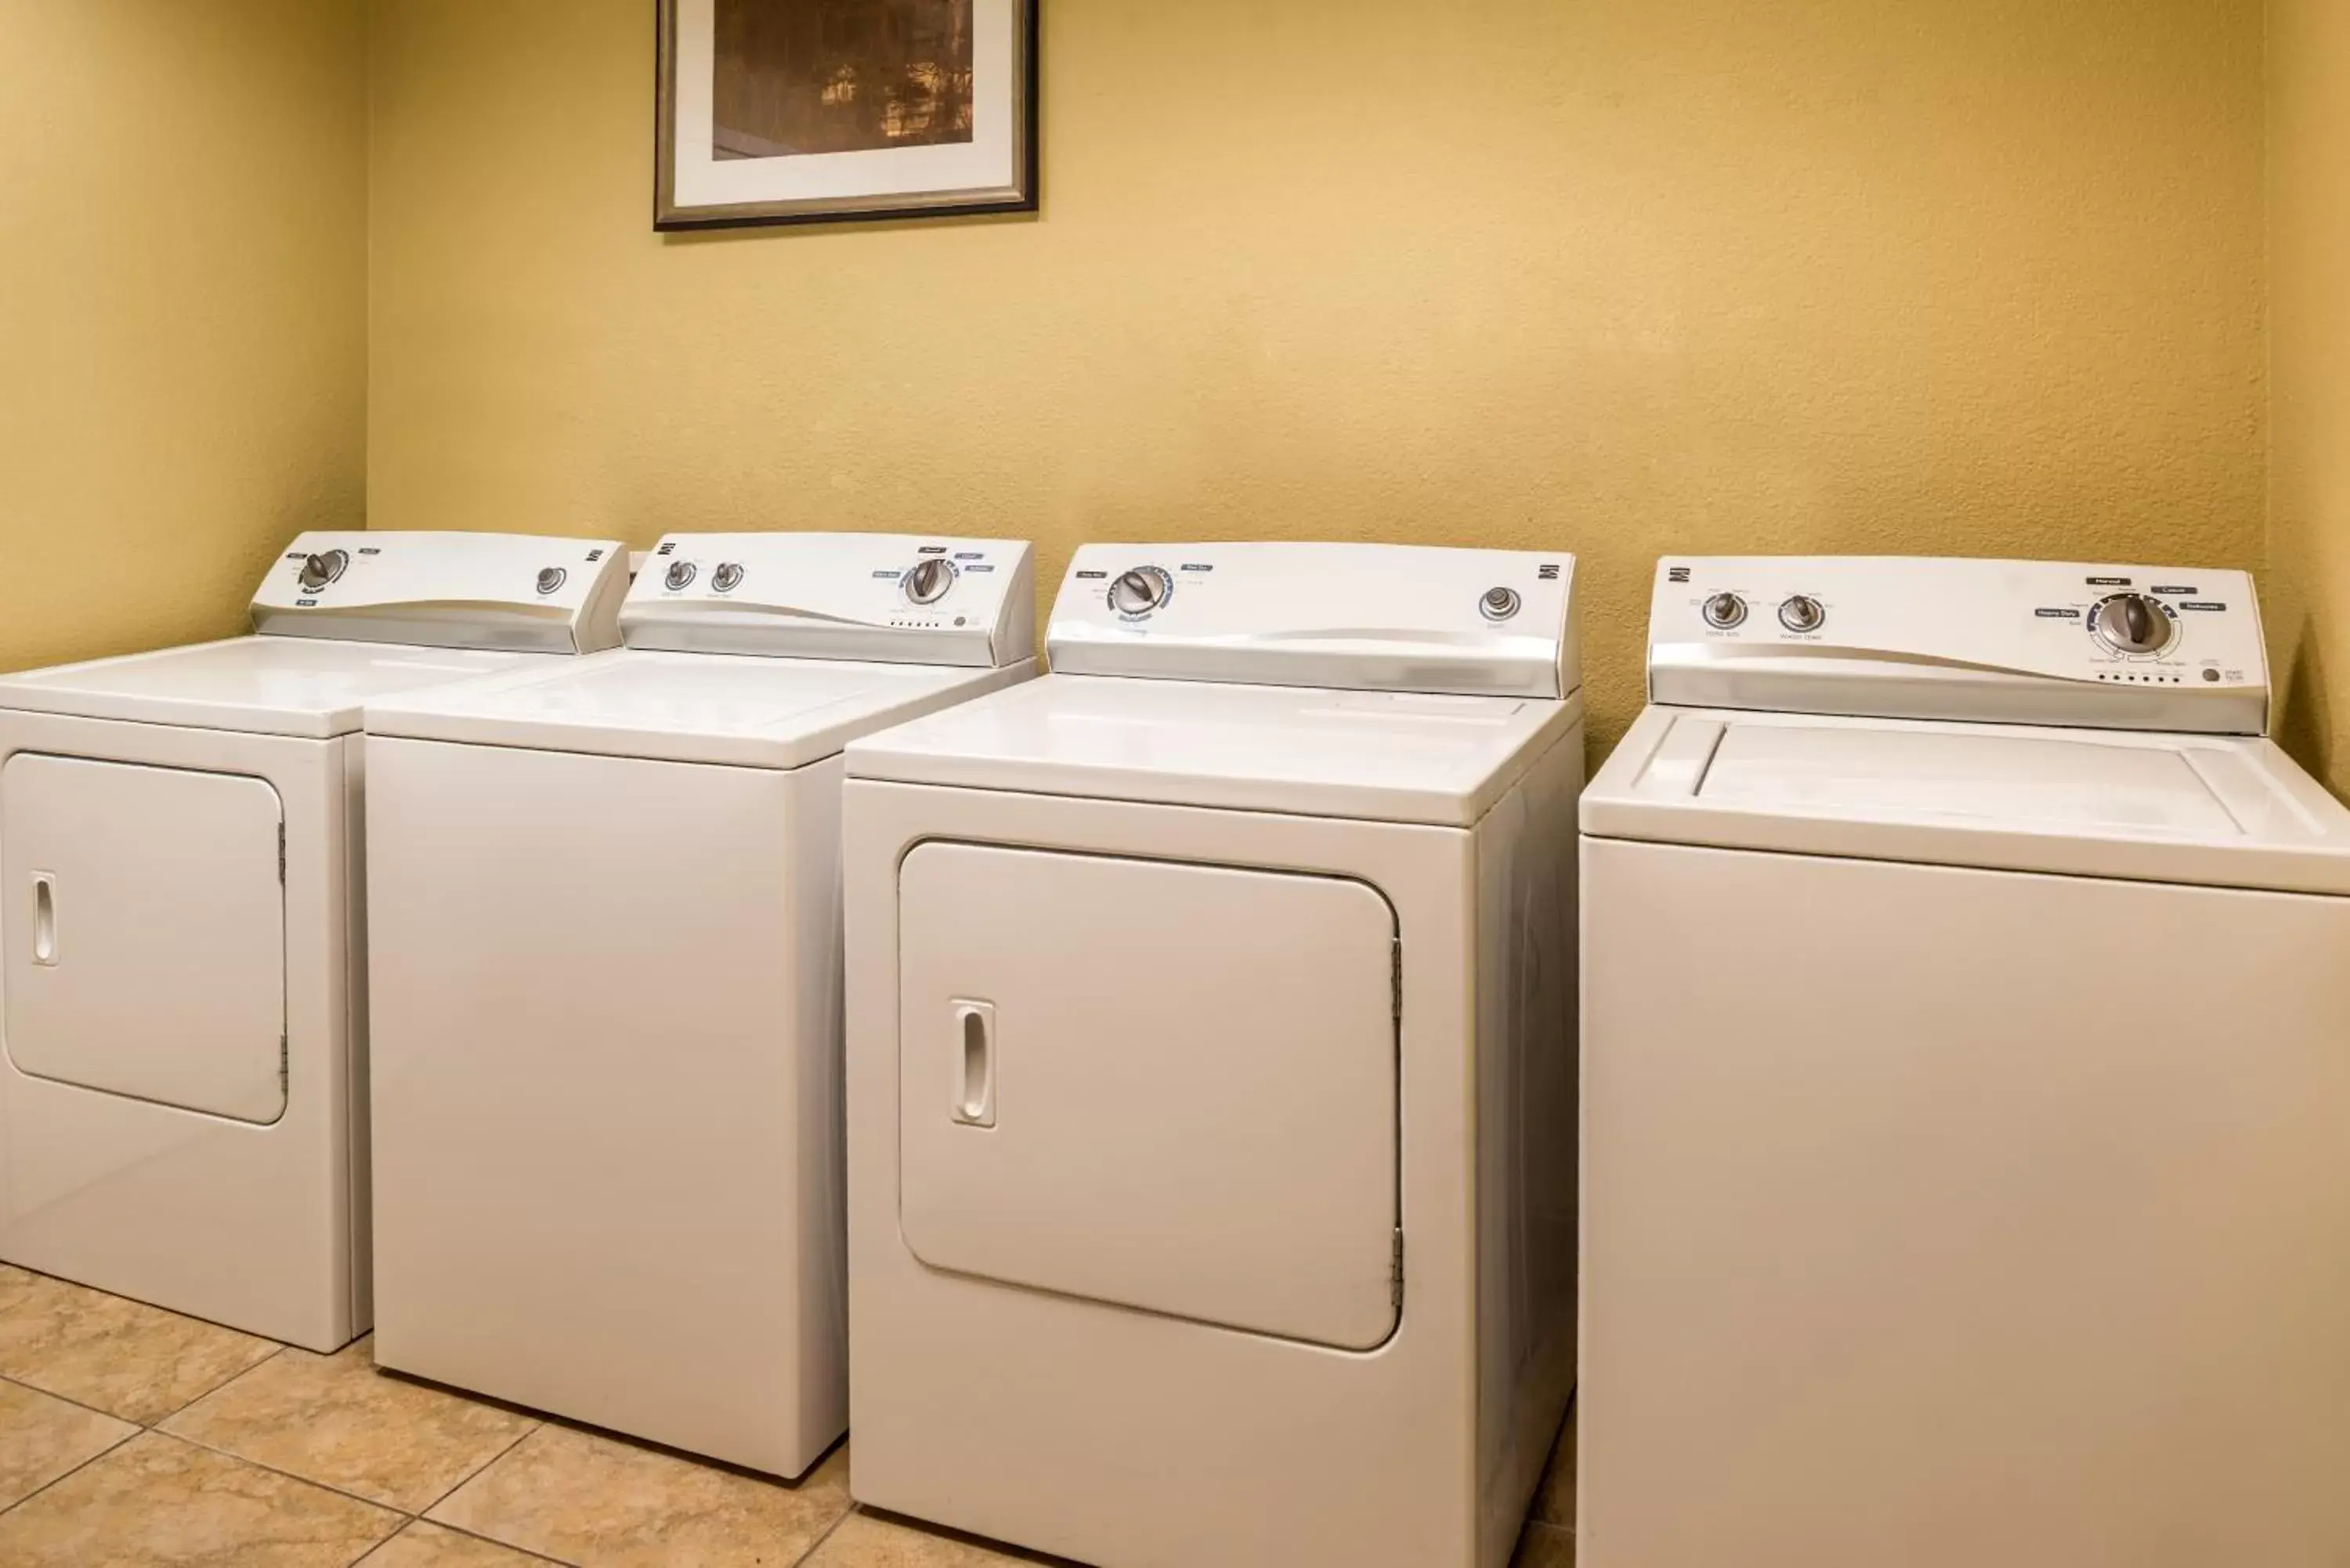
[{"x": 813, "y": 111}]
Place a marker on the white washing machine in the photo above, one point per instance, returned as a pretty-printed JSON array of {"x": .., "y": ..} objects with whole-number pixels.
[
  {"x": 183, "y": 1097},
  {"x": 606, "y": 960},
  {"x": 1965, "y": 1096},
  {"x": 1212, "y": 1072}
]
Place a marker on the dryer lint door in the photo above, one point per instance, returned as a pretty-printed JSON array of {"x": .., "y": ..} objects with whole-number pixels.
[
  {"x": 1172, "y": 1087},
  {"x": 143, "y": 919}
]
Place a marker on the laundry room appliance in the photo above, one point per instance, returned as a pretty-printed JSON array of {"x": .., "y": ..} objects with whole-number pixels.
[
  {"x": 605, "y": 915},
  {"x": 1211, "y": 1066},
  {"x": 183, "y": 1095},
  {"x": 1966, "y": 1095}
]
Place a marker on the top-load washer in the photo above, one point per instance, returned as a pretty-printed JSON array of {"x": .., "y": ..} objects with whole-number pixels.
[
  {"x": 1211, "y": 1066},
  {"x": 606, "y": 946},
  {"x": 1966, "y": 1103},
  {"x": 183, "y": 1097}
]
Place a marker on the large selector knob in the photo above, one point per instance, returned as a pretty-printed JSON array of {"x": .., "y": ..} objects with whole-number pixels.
[
  {"x": 727, "y": 577},
  {"x": 930, "y": 579},
  {"x": 318, "y": 571},
  {"x": 1139, "y": 591},
  {"x": 1724, "y": 611},
  {"x": 2133, "y": 623},
  {"x": 1801, "y": 614},
  {"x": 678, "y": 578}
]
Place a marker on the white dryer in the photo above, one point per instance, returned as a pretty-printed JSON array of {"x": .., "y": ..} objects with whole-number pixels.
[
  {"x": 1966, "y": 1097},
  {"x": 606, "y": 951},
  {"x": 183, "y": 1097},
  {"x": 1212, "y": 1067}
]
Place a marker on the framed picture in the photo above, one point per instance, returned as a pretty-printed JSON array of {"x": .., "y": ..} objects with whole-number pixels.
[{"x": 800, "y": 111}]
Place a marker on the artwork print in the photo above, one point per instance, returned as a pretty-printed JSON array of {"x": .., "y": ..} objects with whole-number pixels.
[{"x": 806, "y": 111}]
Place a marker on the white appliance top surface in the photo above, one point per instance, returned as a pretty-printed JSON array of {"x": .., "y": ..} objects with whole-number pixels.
[
  {"x": 259, "y": 685},
  {"x": 2024, "y": 642},
  {"x": 2220, "y": 810},
  {"x": 739, "y": 709},
  {"x": 1367, "y": 755},
  {"x": 1382, "y": 617}
]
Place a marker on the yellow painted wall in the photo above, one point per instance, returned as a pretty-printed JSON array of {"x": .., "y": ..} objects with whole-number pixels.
[
  {"x": 1980, "y": 277},
  {"x": 2308, "y": 262},
  {"x": 183, "y": 309}
]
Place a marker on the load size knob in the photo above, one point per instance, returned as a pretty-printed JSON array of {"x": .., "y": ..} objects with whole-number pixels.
[
  {"x": 1139, "y": 591},
  {"x": 1724, "y": 611},
  {"x": 318, "y": 571},
  {"x": 2133, "y": 624},
  {"x": 1801, "y": 614},
  {"x": 928, "y": 580}
]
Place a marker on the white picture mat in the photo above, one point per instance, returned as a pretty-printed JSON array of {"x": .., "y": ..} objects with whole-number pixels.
[{"x": 988, "y": 162}]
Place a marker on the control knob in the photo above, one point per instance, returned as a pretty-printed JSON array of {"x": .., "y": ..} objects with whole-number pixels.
[
  {"x": 678, "y": 578},
  {"x": 1724, "y": 611},
  {"x": 1499, "y": 604},
  {"x": 550, "y": 580},
  {"x": 930, "y": 579},
  {"x": 1802, "y": 613},
  {"x": 1139, "y": 591},
  {"x": 727, "y": 577},
  {"x": 318, "y": 571},
  {"x": 2133, "y": 624}
]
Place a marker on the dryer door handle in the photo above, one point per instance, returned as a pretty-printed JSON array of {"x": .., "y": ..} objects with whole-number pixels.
[
  {"x": 44, "y": 919},
  {"x": 974, "y": 1076}
]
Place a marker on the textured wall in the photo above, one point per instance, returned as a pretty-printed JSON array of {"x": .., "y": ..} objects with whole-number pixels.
[
  {"x": 2309, "y": 260},
  {"x": 182, "y": 308},
  {"x": 1967, "y": 275}
]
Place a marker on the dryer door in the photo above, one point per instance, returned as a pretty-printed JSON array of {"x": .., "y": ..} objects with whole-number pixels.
[
  {"x": 1169, "y": 1086},
  {"x": 144, "y": 927}
]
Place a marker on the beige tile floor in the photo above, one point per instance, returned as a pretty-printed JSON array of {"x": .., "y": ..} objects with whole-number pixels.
[{"x": 133, "y": 1435}]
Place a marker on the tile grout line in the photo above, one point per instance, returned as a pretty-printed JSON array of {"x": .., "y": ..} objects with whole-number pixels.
[
  {"x": 235, "y": 1376},
  {"x": 537, "y": 1424},
  {"x": 76, "y": 1403},
  {"x": 818, "y": 1545},
  {"x": 76, "y": 1470},
  {"x": 233, "y": 1457}
]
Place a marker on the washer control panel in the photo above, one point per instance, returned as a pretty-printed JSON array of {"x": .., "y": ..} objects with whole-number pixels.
[
  {"x": 519, "y": 591},
  {"x": 1388, "y": 617},
  {"x": 888, "y": 597},
  {"x": 2025, "y": 642}
]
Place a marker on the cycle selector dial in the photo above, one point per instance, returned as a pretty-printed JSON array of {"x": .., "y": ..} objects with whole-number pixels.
[
  {"x": 1724, "y": 611},
  {"x": 2133, "y": 624},
  {"x": 1139, "y": 591},
  {"x": 1802, "y": 613},
  {"x": 678, "y": 578},
  {"x": 318, "y": 571},
  {"x": 927, "y": 582}
]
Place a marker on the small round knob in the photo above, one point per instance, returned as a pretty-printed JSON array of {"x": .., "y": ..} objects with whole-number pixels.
[
  {"x": 1139, "y": 591},
  {"x": 318, "y": 571},
  {"x": 679, "y": 577},
  {"x": 550, "y": 579},
  {"x": 1801, "y": 614},
  {"x": 727, "y": 577},
  {"x": 1499, "y": 604},
  {"x": 927, "y": 582},
  {"x": 1725, "y": 610},
  {"x": 2133, "y": 623}
]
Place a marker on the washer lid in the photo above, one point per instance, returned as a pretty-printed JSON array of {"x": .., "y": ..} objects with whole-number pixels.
[
  {"x": 742, "y": 710},
  {"x": 1370, "y": 756},
  {"x": 257, "y": 685},
  {"x": 2224, "y": 811}
]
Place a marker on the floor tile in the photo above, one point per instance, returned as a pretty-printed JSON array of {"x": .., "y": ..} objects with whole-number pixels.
[
  {"x": 1545, "y": 1546},
  {"x": 129, "y": 1359},
  {"x": 335, "y": 1421},
  {"x": 601, "y": 1503},
  {"x": 865, "y": 1541},
  {"x": 1555, "y": 1499},
  {"x": 159, "y": 1501},
  {"x": 42, "y": 1438},
  {"x": 423, "y": 1545}
]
